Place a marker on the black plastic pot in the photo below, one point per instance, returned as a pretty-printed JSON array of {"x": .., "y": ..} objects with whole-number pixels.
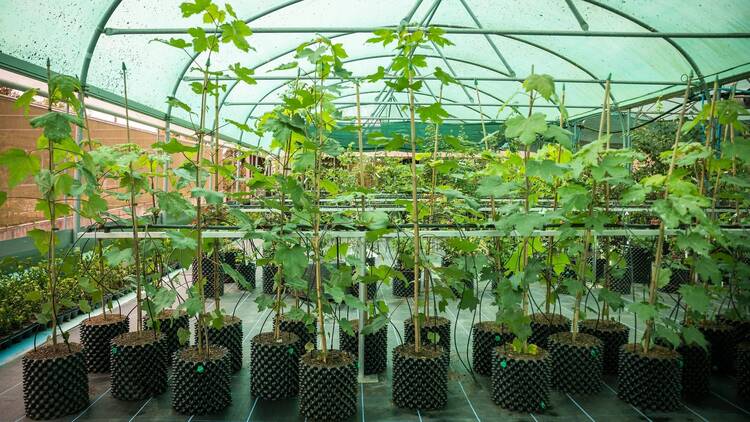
[
  {"x": 327, "y": 391},
  {"x": 139, "y": 365},
  {"x": 55, "y": 382},
  {"x": 274, "y": 366},
  {"x": 96, "y": 335},
  {"x": 485, "y": 336},
  {"x": 372, "y": 290},
  {"x": 404, "y": 288},
  {"x": 300, "y": 330},
  {"x": 207, "y": 268},
  {"x": 521, "y": 382},
  {"x": 229, "y": 336},
  {"x": 544, "y": 325},
  {"x": 741, "y": 327},
  {"x": 613, "y": 335},
  {"x": 722, "y": 338},
  {"x": 639, "y": 261},
  {"x": 650, "y": 381},
  {"x": 576, "y": 364},
  {"x": 420, "y": 380},
  {"x": 439, "y": 325},
  {"x": 169, "y": 324},
  {"x": 247, "y": 271},
  {"x": 376, "y": 347},
  {"x": 742, "y": 365},
  {"x": 696, "y": 372},
  {"x": 201, "y": 385},
  {"x": 269, "y": 276}
]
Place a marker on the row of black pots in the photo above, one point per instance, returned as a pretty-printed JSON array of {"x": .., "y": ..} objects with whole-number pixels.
[
  {"x": 55, "y": 381},
  {"x": 656, "y": 380}
]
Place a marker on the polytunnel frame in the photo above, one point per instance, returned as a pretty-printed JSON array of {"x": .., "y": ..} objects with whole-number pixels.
[
  {"x": 168, "y": 118},
  {"x": 101, "y": 29}
]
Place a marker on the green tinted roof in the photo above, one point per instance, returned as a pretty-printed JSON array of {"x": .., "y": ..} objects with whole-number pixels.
[{"x": 577, "y": 41}]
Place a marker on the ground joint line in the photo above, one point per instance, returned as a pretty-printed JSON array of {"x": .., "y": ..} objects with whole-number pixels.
[
  {"x": 694, "y": 412},
  {"x": 738, "y": 407},
  {"x": 252, "y": 409},
  {"x": 139, "y": 410},
  {"x": 92, "y": 404},
  {"x": 581, "y": 408},
  {"x": 469, "y": 401}
]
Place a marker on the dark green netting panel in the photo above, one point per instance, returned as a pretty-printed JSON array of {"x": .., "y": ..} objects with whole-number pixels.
[{"x": 470, "y": 134}]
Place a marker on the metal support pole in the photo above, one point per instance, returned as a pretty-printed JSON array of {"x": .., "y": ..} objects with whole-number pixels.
[
  {"x": 581, "y": 22},
  {"x": 362, "y": 315}
]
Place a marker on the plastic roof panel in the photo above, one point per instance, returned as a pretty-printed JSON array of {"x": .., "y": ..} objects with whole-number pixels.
[{"x": 34, "y": 30}]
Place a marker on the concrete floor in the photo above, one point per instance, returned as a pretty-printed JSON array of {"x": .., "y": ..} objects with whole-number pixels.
[{"x": 468, "y": 399}]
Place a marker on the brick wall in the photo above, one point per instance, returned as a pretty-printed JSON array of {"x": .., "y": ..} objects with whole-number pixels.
[{"x": 17, "y": 215}]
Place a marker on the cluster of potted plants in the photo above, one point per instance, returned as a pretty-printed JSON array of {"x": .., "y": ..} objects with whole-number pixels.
[{"x": 311, "y": 281}]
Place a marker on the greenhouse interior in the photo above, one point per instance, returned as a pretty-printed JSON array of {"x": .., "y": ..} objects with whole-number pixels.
[{"x": 392, "y": 210}]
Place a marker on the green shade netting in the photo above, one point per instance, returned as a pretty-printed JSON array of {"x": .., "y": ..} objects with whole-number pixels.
[
  {"x": 66, "y": 32},
  {"x": 471, "y": 134}
]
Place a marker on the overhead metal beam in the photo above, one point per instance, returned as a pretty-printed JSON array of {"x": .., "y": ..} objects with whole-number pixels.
[
  {"x": 399, "y": 103},
  {"x": 459, "y": 78},
  {"x": 650, "y": 28},
  {"x": 511, "y": 72},
  {"x": 581, "y": 21},
  {"x": 447, "y": 29}
]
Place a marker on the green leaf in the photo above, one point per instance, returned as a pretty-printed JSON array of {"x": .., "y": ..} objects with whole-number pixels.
[
  {"x": 3, "y": 197},
  {"x": 634, "y": 195},
  {"x": 667, "y": 333},
  {"x": 285, "y": 66},
  {"x": 56, "y": 125},
  {"x": 174, "y": 102},
  {"x": 237, "y": 32},
  {"x": 25, "y": 100},
  {"x": 433, "y": 112},
  {"x": 695, "y": 297},
  {"x": 243, "y": 73},
  {"x": 495, "y": 186},
  {"x": 193, "y": 8},
  {"x": 354, "y": 303},
  {"x": 346, "y": 326},
  {"x": 41, "y": 240},
  {"x": 443, "y": 77},
  {"x": 541, "y": 83},
  {"x": 643, "y": 310},
  {"x": 20, "y": 165},
  {"x": 84, "y": 305},
  {"x": 183, "y": 335},
  {"x": 378, "y": 75},
  {"x": 526, "y": 129},
  {"x": 174, "y": 146},
  {"x": 211, "y": 196},
  {"x": 560, "y": 135},
  {"x": 547, "y": 170},
  {"x": 174, "y": 205},
  {"x": 375, "y": 219},
  {"x": 692, "y": 335}
]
